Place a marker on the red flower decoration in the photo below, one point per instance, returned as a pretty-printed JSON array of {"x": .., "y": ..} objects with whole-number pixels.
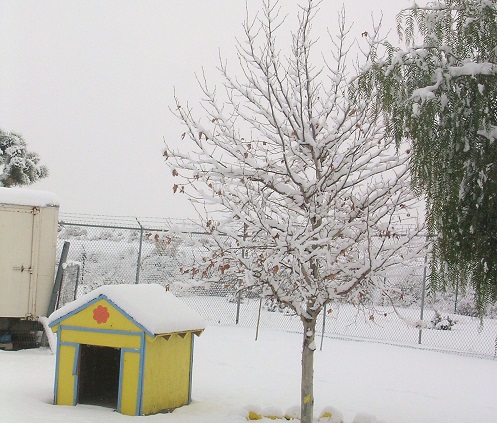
[{"x": 101, "y": 314}]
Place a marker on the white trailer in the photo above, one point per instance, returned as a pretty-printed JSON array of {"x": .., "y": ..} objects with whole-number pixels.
[{"x": 28, "y": 240}]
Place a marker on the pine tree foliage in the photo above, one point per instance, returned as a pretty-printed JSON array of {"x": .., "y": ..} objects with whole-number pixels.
[
  {"x": 299, "y": 178},
  {"x": 440, "y": 93},
  {"x": 18, "y": 166}
]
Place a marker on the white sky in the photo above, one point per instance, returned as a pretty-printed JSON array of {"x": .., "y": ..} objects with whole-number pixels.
[{"x": 89, "y": 85}]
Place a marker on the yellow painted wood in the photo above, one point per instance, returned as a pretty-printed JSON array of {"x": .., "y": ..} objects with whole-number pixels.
[
  {"x": 167, "y": 373},
  {"x": 129, "y": 384},
  {"x": 85, "y": 318},
  {"x": 66, "y": 378},
  {"x": 101, "y": 339}
]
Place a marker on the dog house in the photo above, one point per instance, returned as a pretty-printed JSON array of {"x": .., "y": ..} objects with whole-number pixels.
[{"x": 128, "y": 347}]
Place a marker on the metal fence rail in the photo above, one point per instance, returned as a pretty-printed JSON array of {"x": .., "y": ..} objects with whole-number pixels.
[{"x": 119, "y": 250}]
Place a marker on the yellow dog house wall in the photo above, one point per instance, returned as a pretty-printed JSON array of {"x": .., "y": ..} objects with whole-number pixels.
[{"x": 129, "y": 347}]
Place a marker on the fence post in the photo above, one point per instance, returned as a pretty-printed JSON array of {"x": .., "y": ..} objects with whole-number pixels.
[
  {"x": 238, "y": 301},
  {"x": 54, "y": 299},
  {"x": 139, "y": 253},
  {"x": 77, "y": 283},
  {"x": 322, "y": 329},
  {"x": 239, "y": 296},
  {"x": 423, "y": 295},
  {"x": 457, "y": 294},
  {"x": 258, "y": 319}
]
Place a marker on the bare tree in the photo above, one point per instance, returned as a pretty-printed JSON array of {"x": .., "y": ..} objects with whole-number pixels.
[{"x": 298, "y": 176}]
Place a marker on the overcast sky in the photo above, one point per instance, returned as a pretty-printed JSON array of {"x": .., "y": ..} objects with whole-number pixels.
[{"x": 89, "y": 85}]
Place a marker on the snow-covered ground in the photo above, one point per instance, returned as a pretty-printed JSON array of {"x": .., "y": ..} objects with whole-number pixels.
[
  {"x": 232, "y": 371},
  {"x": 467, "y": 336}
]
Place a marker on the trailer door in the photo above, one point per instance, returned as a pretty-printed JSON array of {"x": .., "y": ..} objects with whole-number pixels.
[{"x": 16, "y": 264}]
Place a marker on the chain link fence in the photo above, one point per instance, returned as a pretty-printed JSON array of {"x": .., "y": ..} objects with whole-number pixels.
[{"x": 106, "y": 250}]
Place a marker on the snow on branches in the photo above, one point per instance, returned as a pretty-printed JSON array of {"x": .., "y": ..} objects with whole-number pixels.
[
  {"x": 298, "y": 174},
  {"x": 439, "y": 92},
  {"x": 18, "y": 166}
]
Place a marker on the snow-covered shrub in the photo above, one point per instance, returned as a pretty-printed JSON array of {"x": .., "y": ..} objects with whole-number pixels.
[
  {"x": 273, "y": 305},
  {"x": 467, "y": 307},
  {"x": 440, "y": 322},
  {"x": 330, "y": 415},
  {"x": 272, "y": 413},
  {"x": 492, "y": 311},
  {"x": 365, "y": 418},
  {"x": 254, "y": 413},
  {"x": 293, "y": 413},
  {"x": 70, "y": 232}
]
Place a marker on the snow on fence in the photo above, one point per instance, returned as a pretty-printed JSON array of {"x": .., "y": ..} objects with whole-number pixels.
[{"x": 107, "y": 250}]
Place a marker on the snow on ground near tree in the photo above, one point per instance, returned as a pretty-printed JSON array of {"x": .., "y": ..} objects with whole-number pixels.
[{"x": 232, "y": 371}]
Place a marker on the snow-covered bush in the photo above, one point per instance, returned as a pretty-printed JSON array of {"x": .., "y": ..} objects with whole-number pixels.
[
  {"x": 293, "y": 412},
  {"x": 467, "y": 307},
  {"x": 440, "y": 322},
  {"x": 272, "y": 304},
  {"x": 331, "y": 415},
  {"x": 365, "y": 418}
]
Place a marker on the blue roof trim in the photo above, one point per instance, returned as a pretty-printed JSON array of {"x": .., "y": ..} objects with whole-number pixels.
[
  {"x": 75, "y": 311},
  {"x": 100, "y": 297},
  {"x": 129, "y": 317}
]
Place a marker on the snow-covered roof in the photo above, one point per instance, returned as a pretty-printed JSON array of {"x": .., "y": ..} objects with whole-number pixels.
[
  {"x": 28, "y": 197},
  {"x": 150, "y": 305}
]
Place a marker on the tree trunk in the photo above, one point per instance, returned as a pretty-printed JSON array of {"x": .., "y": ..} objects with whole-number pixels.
[{"x": 307, "y": 382}]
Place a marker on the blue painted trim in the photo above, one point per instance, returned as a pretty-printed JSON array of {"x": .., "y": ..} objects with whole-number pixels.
[
  {"x": 71, "y": 344},
  {"x": 57, "y": 361},
  {"x": 132, "y": 350},
  {"x": 75, "y": 364},
  {"x": 129, "y": 317},
  {"x": 75, "y": 311},
  {"x": 141, "y": 376},
  {"x": 76, "y": 376},
  {"x": 89, "y": 303},
  {"x": 191, "y": 370},
  {"x": 119, "y": 389}
]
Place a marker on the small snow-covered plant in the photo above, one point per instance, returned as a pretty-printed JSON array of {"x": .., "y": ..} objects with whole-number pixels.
[
  {"x": 365, "y": 418},
  {"x": 292, "y": 413},
  {"x": 272, "y": 304},
  {"x": 330, "y": 415},
  {"x": 272, "y": 413},
  {"x": 467, "y": 307},
  {"x": 441, "y": 322},
  {"x": 254, "y": 412}
]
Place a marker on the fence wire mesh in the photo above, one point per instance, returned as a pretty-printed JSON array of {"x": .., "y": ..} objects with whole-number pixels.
[{"x": 123, "y": 250}]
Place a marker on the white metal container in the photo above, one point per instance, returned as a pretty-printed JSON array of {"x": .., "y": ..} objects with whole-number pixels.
[{"x": 28, "y": 241}]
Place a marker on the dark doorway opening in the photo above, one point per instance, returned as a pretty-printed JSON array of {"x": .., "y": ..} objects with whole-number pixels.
[{"x": 98, "y": 377}]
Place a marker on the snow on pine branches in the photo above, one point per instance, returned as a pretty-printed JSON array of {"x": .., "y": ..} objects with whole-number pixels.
[{"x": 18, "y": 166}]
